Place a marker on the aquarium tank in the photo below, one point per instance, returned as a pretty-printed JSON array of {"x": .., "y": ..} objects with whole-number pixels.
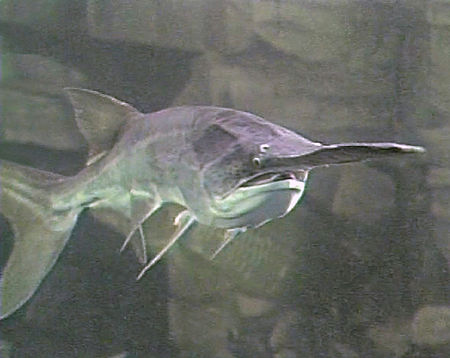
[{"x": 359, "y": 268}]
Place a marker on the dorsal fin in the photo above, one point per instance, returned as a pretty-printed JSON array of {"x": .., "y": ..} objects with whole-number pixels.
[{"x": 99, "y": 118}]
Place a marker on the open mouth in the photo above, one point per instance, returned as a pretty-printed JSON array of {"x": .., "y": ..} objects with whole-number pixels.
[
  {"x": 266, "y": 182},
  {"x": 274, "y": 177}
]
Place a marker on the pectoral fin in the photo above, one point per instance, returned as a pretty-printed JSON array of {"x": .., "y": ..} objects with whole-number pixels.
[
  {"x": 230, "y": 235},
  {"x": 183, "y": 222},
  {"x": 136, "y": 238},
  {"x": 142, "y": 206}
]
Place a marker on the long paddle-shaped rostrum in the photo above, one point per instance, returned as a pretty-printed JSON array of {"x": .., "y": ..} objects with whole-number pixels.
[{"x": 229, "y": 169}]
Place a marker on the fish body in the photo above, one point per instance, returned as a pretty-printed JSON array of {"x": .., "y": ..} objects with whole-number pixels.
[
  {"x": 229, "y": 169},
  {"x": 172, "y": 156}
]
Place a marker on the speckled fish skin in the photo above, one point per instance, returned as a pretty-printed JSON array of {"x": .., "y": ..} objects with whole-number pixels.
[{"x": 229, "y": 169}]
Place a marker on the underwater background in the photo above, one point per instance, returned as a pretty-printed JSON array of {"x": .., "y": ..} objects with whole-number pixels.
[{"x": 359, "y": 269}]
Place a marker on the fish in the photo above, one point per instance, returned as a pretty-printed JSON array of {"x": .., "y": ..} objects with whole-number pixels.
[{"x": 227, "y": 168}]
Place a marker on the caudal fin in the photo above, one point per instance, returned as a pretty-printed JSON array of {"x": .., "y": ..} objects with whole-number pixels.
[
  {"x": 355, "y": 152},
  {"x": 40, "y": 233}
]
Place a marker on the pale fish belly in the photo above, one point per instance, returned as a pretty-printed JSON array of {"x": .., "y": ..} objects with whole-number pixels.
[{"x": 254, "y": 206}]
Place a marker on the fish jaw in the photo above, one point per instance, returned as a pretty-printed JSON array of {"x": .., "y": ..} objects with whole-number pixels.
[{"x": 255, "y": 205}]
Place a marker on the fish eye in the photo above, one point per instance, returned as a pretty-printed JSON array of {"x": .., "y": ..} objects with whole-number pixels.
[
  {"x": 264, "y": 148},
  {"x": 256, "y": 162}
]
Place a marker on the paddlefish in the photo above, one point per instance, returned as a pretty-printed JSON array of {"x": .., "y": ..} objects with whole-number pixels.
[{"x": 229, "y": 169}]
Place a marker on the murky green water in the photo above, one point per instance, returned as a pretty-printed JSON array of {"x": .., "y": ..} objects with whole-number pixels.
[{"x": 358, "y": 269}]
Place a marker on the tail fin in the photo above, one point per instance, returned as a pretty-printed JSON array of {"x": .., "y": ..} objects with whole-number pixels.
[
  {"x": 40, "y": 233},
  {"x": 355, "y": 152}
]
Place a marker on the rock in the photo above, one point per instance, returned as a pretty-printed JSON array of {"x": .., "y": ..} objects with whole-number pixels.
[
  {"x": 363, "y": 194},
  {"x": 55, "y": 16},
  {"x": 286, "y": 353},
  {"x": 5, "y": 349},
  {"x": 317, "y": 66},
  {"x": 185, "y": 25},
  {"x": 253, "y": 307},
  {"x": 284, "y": 331},
  {"x": 120, "y": 355},
  {"x": 313, "y": 32},
  {"x": 441, "y": 204},
  {"x": 393, "y": 337},
  {"x": 42, "y": 72},
  {"x": 436, "y": 132},
  {"x": 436, "y": 142},
  {"x": 438, "y": 13},
  {"x": 431, "y": 326},
  {"x": 438, "y": 16},
  {"x": 201, "y": 330},
  {"x": 310, "y": 67},
  {"x": 334, "y": 37},
  {"x": 440, "y": 74},
  {"x": 439, "y": 178},
  {"x": 345, "y": 351},
  {"x": 283, "y": 91},
  {"x": 34, "y": 108},
  {"x": 27, "y": 12},
  {"x": 38, "y": 119},
  {"x": 440, "y": 209}
]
